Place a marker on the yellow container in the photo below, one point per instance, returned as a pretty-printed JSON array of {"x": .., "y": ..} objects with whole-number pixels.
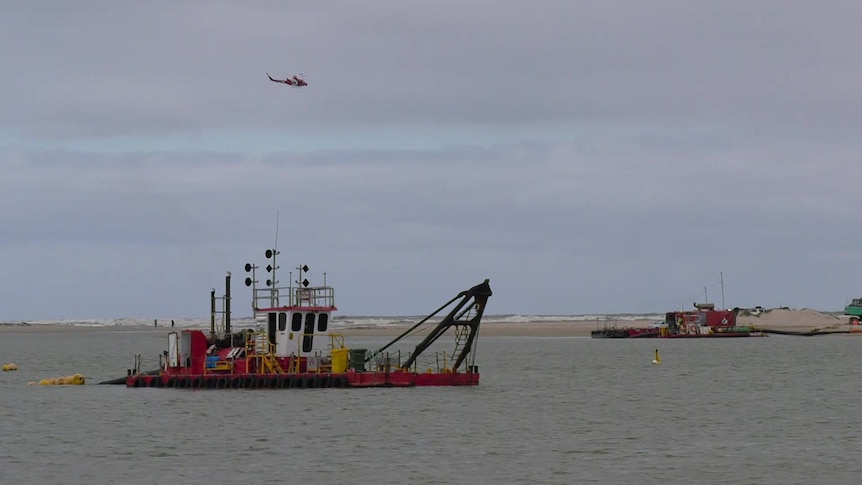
[{"x": 339, "y": 361}]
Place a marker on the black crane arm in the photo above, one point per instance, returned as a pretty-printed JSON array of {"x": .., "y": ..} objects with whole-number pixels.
[{"x": 474, "y": 298}]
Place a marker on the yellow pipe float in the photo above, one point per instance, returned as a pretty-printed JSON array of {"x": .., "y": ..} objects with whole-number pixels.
[
  {"x": 72, "y": 380},
  {"x": 10, "y": 366}
]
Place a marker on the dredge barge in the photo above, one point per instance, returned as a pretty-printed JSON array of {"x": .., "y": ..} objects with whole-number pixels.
[
  {"x": 703, "y": 322},
  {"x": 293, "y": 347}
]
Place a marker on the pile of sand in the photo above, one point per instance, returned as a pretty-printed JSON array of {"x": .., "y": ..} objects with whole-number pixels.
[{"x": 780, "y": 318}]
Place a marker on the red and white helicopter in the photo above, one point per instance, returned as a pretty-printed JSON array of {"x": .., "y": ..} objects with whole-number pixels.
[{"x": 295, "y": 81}]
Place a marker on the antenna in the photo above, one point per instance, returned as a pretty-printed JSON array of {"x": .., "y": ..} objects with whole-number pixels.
[{"x": 276, "y": 231}]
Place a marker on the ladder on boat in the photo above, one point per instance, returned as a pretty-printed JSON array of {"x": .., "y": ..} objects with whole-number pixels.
[
  {"x": 462, "y": 332},
  {"x": 258, "y": 345}
]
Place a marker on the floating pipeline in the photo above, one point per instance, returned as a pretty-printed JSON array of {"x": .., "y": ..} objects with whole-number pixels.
[
  {"x": 72, "y": 380},
  {"x": 122, "y": 380},
  {"x": 9, "y": 367},
  {"x": 809, "y": 333}
]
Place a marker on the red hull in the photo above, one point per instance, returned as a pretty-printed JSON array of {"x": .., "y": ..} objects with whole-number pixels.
[
  {"x": 648, "y": 332},
  {"x": 717, "y": 335},
  {"x": 654, "y": 333},
  {"x": 304, "y": 380}
]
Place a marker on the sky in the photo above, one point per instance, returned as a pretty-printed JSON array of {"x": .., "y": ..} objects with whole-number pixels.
[{"x": 588, "y": 157}]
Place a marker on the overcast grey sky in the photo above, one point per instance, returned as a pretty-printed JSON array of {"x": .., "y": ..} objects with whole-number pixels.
[{"x": 586, "y": 156}]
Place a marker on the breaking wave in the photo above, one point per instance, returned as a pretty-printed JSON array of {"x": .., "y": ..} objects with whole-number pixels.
[{"x": 337, "y": 322}]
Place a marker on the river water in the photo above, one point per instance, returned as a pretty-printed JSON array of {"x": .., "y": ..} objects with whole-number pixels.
[{"x": 776, "y": 410}]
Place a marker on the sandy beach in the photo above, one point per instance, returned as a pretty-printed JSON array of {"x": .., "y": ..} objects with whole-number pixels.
[{"x": 778, "y": 319}]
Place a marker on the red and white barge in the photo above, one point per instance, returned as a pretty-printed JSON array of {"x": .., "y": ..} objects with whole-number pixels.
[{"x": 703, "y": 322}]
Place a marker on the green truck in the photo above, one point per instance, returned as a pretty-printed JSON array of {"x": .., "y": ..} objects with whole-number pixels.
[{"x": 854, "y": 310}]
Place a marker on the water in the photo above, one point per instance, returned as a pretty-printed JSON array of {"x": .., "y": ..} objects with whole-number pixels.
[{"x": 548, "y": 410}]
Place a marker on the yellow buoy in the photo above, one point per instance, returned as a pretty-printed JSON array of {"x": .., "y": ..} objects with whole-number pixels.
[
  {"x": 656, "y": 360},
  {"x": 10, "y": 366}
]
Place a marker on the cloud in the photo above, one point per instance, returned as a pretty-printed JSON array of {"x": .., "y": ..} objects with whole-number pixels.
[
  {"x": 163, "y": 67},
  {"x": 571, "y": 226},
  {"x": 587, "y": 157}
]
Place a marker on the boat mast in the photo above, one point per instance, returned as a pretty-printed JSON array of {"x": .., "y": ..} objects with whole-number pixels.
[
  {"x": 722, "y": 290},
  {"x": 227, "y": 305},
  {"x": 273, "y": 283}
]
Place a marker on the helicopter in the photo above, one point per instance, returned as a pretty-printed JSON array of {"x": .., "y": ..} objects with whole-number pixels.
[{"x": 295, "y": 81}]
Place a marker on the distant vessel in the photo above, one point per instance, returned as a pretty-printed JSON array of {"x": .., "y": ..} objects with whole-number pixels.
[
  {"x": 703, "y": 322},
  {"x": 294, "y": 349},
  {"x": 854, "y": 311}
]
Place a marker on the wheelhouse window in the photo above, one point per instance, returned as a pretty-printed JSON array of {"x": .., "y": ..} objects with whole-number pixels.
[
  {"x": 322, "y": 322},
  {"x": 307, "y": 338}
]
